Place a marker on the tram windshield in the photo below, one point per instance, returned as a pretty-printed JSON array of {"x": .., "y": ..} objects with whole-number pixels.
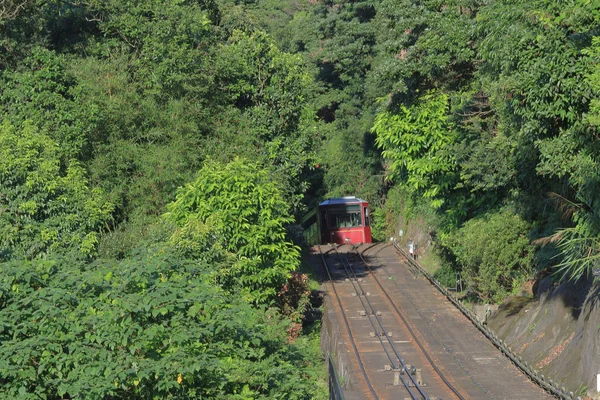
[{"x": 345, "y": 217}]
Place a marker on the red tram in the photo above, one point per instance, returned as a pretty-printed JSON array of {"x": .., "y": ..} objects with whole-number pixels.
[{"x": 339, "y": 220}]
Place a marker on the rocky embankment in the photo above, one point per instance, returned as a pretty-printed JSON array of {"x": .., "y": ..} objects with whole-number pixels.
[{"x": 558, "y": 331}]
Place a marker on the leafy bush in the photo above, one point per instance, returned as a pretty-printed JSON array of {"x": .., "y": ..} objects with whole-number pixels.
[
  {"x": 293, "y": 298},
  {"x": 446, "y": 275},
  {"x": 415, "y": 141},
  {"x": 150, "y": 327},
  {"x": 379, "y": 225},
  {"x": 494, "y": 253},
  {"x": 403, "y": 207},
  {"x": 236, "y": 209}
]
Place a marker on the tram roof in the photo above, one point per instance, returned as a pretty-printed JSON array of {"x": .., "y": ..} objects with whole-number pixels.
[{"x": 342, "y": 200}]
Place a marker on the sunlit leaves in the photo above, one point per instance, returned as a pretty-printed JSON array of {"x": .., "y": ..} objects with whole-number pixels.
[
  {"x": 580, "y": 253},
  {"x": 134, "y": 94},
  {"x": 540, "y": 60},
  {"x": 267, "y": 116},
  {"x": 165, "y": 42},
  {"x": 44, "y": 93},
  {"x": 237, "y": 208},
  {"x": 593, "y": 80},
  {"x": 494, "y": 253},
  {"x": 416, "y": 141},
  {"x": 46, "y": 207},
  {"x": 530, "y": 124},
  {"x": 150, "y": 327}
]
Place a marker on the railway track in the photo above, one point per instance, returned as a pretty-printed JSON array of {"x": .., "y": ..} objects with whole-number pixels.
[
  {"x": 408, "y": 326},
  {"x": 348, "y": 328},
  {"x": 386, "y": 321},
  {"x": 408, "y": 340}
]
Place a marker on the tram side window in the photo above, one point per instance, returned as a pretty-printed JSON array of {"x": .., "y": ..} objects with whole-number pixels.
[{"x": 367, "y": 219}]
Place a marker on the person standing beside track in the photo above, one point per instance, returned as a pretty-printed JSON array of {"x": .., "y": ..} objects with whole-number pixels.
[{"x": 411, "y": 249}]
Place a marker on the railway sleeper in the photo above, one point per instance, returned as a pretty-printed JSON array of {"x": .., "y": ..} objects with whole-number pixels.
[
  {"x": 380, "y": 334},
  {"x": 363, "y": 313},
  {"x": 430, "y": 398}
]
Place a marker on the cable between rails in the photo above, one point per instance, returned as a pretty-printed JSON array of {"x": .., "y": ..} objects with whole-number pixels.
[
  {"x": 352, "y": 274},
  {"x": 410, "y": 330},
  {"x": 360, "y": 363}
]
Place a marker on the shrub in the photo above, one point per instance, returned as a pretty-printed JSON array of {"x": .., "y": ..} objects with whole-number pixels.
[
  {"x": 51, "y": 206},
  {"x": 237, "y": 209},
  {"x": 494, "y": 253},
  {"x": 149, "y": 327},
  {"x": 446, "y": 275}
]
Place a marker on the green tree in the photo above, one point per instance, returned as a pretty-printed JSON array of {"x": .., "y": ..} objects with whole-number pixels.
[
  {"x": 165, "y": 44},
  {"x": 47, "y": 203},
  {"x": 43, "y": 92},
  {"x": 264, "y": 112},
  {"x": 423, "y": 45},
  {"x": 337, "y": 40},
  {"x": 417, "y": 142},
  {"x": 579, "y": 244},
  {"x": 153, "y": 326},
  {"x": 238, "y": 208},
  {"x": 540, "y": 73}
]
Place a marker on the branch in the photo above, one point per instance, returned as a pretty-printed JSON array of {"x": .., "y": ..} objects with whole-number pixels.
[
  {"x": 474, "y": 113},
  {"x": 95, "y": 19},
  {"x": 9, "y": 9}
]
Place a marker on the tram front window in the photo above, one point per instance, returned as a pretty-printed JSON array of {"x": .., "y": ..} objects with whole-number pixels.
[{"x": 347, "y": 220}]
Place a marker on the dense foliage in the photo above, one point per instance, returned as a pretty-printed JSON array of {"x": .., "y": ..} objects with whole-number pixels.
[
  {"x": 153, "y": 154},
  {"x": 236, "y": 209},
  {"x": 142, "y": 255},
  {"x": 474, "y": 105},
  {"x": 416, "y": 142},
  {"x": 494, "y": 253},
  {"x": 47, "y": 207},
  {"x": 153, "y": 326}
]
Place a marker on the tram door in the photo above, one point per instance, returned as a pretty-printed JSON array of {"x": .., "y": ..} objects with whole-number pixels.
[{"x": 324, "y": 226}]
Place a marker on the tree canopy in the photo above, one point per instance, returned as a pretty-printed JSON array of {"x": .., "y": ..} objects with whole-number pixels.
[
  {"x": 237, "y": 209},
  {"x": 153, "y": 156}
]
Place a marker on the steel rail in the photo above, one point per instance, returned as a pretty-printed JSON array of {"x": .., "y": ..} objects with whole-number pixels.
[
  {"x": 528, "y": 370},
  {"x": 456, "y": 359},
  {"x": 352, "y": 341},
  {"x": 435, "y": 334},
  {"x": 412, "y": 333},
  {"x": 370, "y": 310},
  {"x": 369, "y": 313}
]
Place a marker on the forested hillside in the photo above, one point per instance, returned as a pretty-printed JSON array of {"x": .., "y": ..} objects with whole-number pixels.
[
  {"x": 154, "y": 153},
  {"x": 480, "y": 117}
]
